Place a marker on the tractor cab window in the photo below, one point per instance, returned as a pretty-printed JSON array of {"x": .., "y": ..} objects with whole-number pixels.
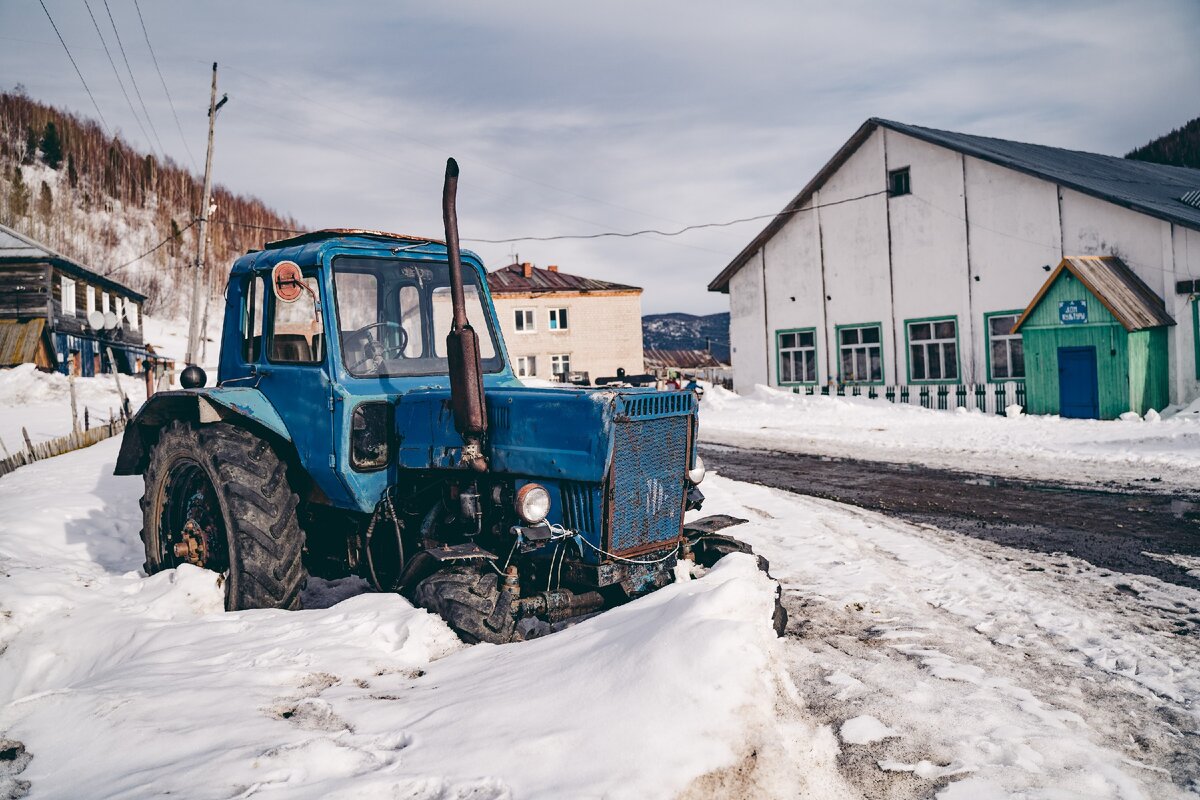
[
  {"x": 252, "y": 319},
  {"x": 296, "y": 332},
  {"x": 393, "y": 316}
]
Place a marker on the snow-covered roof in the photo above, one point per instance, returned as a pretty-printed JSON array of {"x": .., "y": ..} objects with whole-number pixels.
[
  {"x": 1157, "y": 190},
  {"x": 16, "y": 247}
]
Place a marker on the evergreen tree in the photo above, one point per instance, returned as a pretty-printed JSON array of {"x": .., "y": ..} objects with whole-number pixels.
[
  {"x": 31, "y": 146},
  {"x": 18, "y": 195},
  {"x": 46, "y": 203},
  {"x": 52, "y": 154}
]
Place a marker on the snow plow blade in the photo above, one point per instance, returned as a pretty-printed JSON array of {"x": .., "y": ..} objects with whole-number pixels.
[{"x": 709, "y": 547}]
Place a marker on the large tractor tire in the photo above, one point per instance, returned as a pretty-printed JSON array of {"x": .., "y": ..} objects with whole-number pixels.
[
  {"x": 217, "y": 496},
  {"x": 471, "y": 603},
  {"x": 712, "y": 549}
]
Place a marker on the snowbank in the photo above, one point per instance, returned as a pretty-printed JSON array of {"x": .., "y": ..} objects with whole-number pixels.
[
  {"x": 1165, "y": 451},
  {"x": 123, "y": 685},
  {"x": 41, "y": 402}
]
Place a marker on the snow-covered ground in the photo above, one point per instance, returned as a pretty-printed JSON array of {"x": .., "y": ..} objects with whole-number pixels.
[
  {"x": 1155, "y": 453},
  {"x": 918, "y": 664},
  {"x": 40, "y": 402}
]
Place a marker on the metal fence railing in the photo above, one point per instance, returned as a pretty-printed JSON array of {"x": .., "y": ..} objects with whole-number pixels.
[{"x": 990, "y": 398}]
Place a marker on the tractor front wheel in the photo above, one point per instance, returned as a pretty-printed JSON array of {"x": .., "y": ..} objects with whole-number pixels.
[
  {"x": 471, "y": 602},
  {"x": 217, "y": 496}
]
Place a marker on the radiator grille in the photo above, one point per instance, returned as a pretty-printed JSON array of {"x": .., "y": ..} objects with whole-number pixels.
[
  {"x": 648, "y": 477},
  {"x": 581, "y": 503}
]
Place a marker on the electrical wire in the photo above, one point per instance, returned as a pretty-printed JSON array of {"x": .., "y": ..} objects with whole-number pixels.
[
  {"x": 132, "y": 79},
  {"x": 166, "y": 91},
  {"x": 151, "y": 250},
  {"x": 632, "y": 234},
  {"x": 120, "y": 82},
  {"x": 76, "y": 66}
]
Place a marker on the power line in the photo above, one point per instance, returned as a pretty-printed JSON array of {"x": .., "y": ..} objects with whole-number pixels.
[
  {"x": 120, "y": 82},
  {"x": 76, "y": 66},
  {"x": 631, "y": 234},
  {"x": 156, "y": 247},
  {"x": 132, "y": 79},
  {"x": 166, "y": 91}
]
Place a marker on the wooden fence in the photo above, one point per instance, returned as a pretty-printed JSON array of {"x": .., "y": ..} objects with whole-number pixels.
[
  {"x": 991, "y": 398},
  {"x": 63, "y": 444}
]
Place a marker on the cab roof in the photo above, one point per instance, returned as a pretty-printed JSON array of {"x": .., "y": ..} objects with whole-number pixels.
[
  {"x": 307, "y": 249},
  {"x": 330, "y": 233}
]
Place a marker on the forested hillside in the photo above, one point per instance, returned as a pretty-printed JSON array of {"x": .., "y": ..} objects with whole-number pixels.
[
  {"x": 94, "y": 198},
  {"x": 688, "y": 332},
  {"x": 1179, "y": 148}
]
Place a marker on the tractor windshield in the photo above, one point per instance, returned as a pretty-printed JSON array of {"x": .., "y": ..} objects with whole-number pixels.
[{"x": 393, "y": 316}]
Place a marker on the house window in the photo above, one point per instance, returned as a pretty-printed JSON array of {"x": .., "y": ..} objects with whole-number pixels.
[
  {"x": 933, "y": 349},
  {"x": 90, "y": 297},
  {"x": 526, "y": 366},
  {"x": 898, "y": 182},
  {"x": 131, "y": 314},
  {"x": 861, "y": 352},
  {"x": 560, "y": 366},
  {"x": 558, "y": 319},
  {"x": 523, "y": 320},
  {"x": 1006, "y": 352},
  {"x": 68, "y": 296},
  {"x": 119, "y": 309},
  {"x": 797, "y": 351},
  {"x": 104, "y": 302}
]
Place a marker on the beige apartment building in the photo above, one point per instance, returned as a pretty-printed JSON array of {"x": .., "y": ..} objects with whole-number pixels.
[{"x": 566, "y": 327}]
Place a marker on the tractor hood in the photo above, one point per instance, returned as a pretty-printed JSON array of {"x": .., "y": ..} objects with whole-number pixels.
[{"x": 553, "y": 433}]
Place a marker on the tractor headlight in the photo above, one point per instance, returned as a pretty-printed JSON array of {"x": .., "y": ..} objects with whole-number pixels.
[
  {"x": 532, "y": 503},
  {"x": 369, "y": 426},
  {"x": 696, "y": 473}
]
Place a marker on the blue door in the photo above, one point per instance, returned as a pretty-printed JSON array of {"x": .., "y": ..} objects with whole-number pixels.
[{"x": 1078, "y": 390}]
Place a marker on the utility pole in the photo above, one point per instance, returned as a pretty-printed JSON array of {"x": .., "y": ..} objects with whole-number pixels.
[{"x": 194, "y": 324}]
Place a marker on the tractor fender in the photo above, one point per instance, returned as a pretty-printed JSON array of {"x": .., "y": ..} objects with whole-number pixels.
[{"x": 241, "y": 405}]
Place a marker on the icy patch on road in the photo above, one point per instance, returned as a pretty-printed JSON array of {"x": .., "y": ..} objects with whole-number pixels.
[
  {"x": 1014, "y": 673},
  {"x": 124, "y": 685},
  {"x": 865, "y": 730}
]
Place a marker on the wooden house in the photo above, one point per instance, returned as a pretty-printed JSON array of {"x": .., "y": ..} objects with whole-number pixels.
[{"x": 60, "y": 315}]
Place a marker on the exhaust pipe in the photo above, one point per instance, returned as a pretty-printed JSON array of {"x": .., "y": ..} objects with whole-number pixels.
[{"x": 462, "y": 343}]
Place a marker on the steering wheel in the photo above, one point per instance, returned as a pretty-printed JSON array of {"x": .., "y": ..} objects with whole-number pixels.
[{"x": 376, "y": 349}]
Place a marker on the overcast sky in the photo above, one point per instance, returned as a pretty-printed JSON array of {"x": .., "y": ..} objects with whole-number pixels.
[{"x": 576, "y": 118}]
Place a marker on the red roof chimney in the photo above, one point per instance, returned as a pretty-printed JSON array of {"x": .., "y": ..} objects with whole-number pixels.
[
  {"x": 527, "y": 268},
  {"x": 553, "y": 267}
]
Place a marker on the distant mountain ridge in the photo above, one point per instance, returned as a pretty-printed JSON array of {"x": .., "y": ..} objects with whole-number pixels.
[
  {"x": 678, "y": 331},
  {"x": 1179, "y": 148}
]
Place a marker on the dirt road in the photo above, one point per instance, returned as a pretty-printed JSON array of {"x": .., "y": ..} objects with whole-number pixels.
[{"x": 1111, "y": 529}]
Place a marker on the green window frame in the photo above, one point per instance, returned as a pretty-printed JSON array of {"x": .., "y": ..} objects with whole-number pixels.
[
  {"x": 860, "y": 355},
  {"x": 796, "y": 356},
  {"x": 927, "y": 336},
  {"x": 1196, "y": 332},
  {"x": 1007, "y": 342}
]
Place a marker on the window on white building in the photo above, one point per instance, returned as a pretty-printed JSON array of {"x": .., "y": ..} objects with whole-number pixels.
[
  {"x": 1006, "y": 351},
  {"x": 797, "y": 355},
  {"x": 523, "y": 320},
  {"x": 899, "y": 182},
  {"x": 526, "y": 366},
  {"x": 933, "y": 350},
  {"x": 90, "y": 297},
  {"x": 560, "y": 365},
  {"x": 68, "y": 296},
  {"x": 861, "y": 352},
  {"x": 558, "y": 319}
]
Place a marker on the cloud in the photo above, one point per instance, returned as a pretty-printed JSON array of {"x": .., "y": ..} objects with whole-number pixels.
[{"x": 575, "y": 118}]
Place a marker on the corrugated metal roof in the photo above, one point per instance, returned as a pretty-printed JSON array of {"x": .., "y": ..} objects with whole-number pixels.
[
  {"x": 17, "y": 248},
  {"x": 1153, "y": 189},
  {"x": 1124, "y": 294},
  {"x": 329, "y": 233},
  {"x": 679, "y": 359},
  {"x": 512, "y": 280}
]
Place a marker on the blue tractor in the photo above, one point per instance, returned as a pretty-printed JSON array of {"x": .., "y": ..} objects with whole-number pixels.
[{"x": 366, "y": 420}]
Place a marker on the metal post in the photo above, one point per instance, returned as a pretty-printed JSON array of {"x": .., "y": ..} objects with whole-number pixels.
[{"x": 194, "y": 325}]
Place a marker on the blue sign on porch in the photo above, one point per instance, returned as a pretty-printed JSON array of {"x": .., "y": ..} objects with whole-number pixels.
[{"x": 1072, "y": 312}]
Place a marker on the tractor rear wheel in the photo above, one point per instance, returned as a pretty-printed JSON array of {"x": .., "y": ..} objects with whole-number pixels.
[
  {"x": 471, "y": 603},
  {"x": 217, "y": 496}
]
